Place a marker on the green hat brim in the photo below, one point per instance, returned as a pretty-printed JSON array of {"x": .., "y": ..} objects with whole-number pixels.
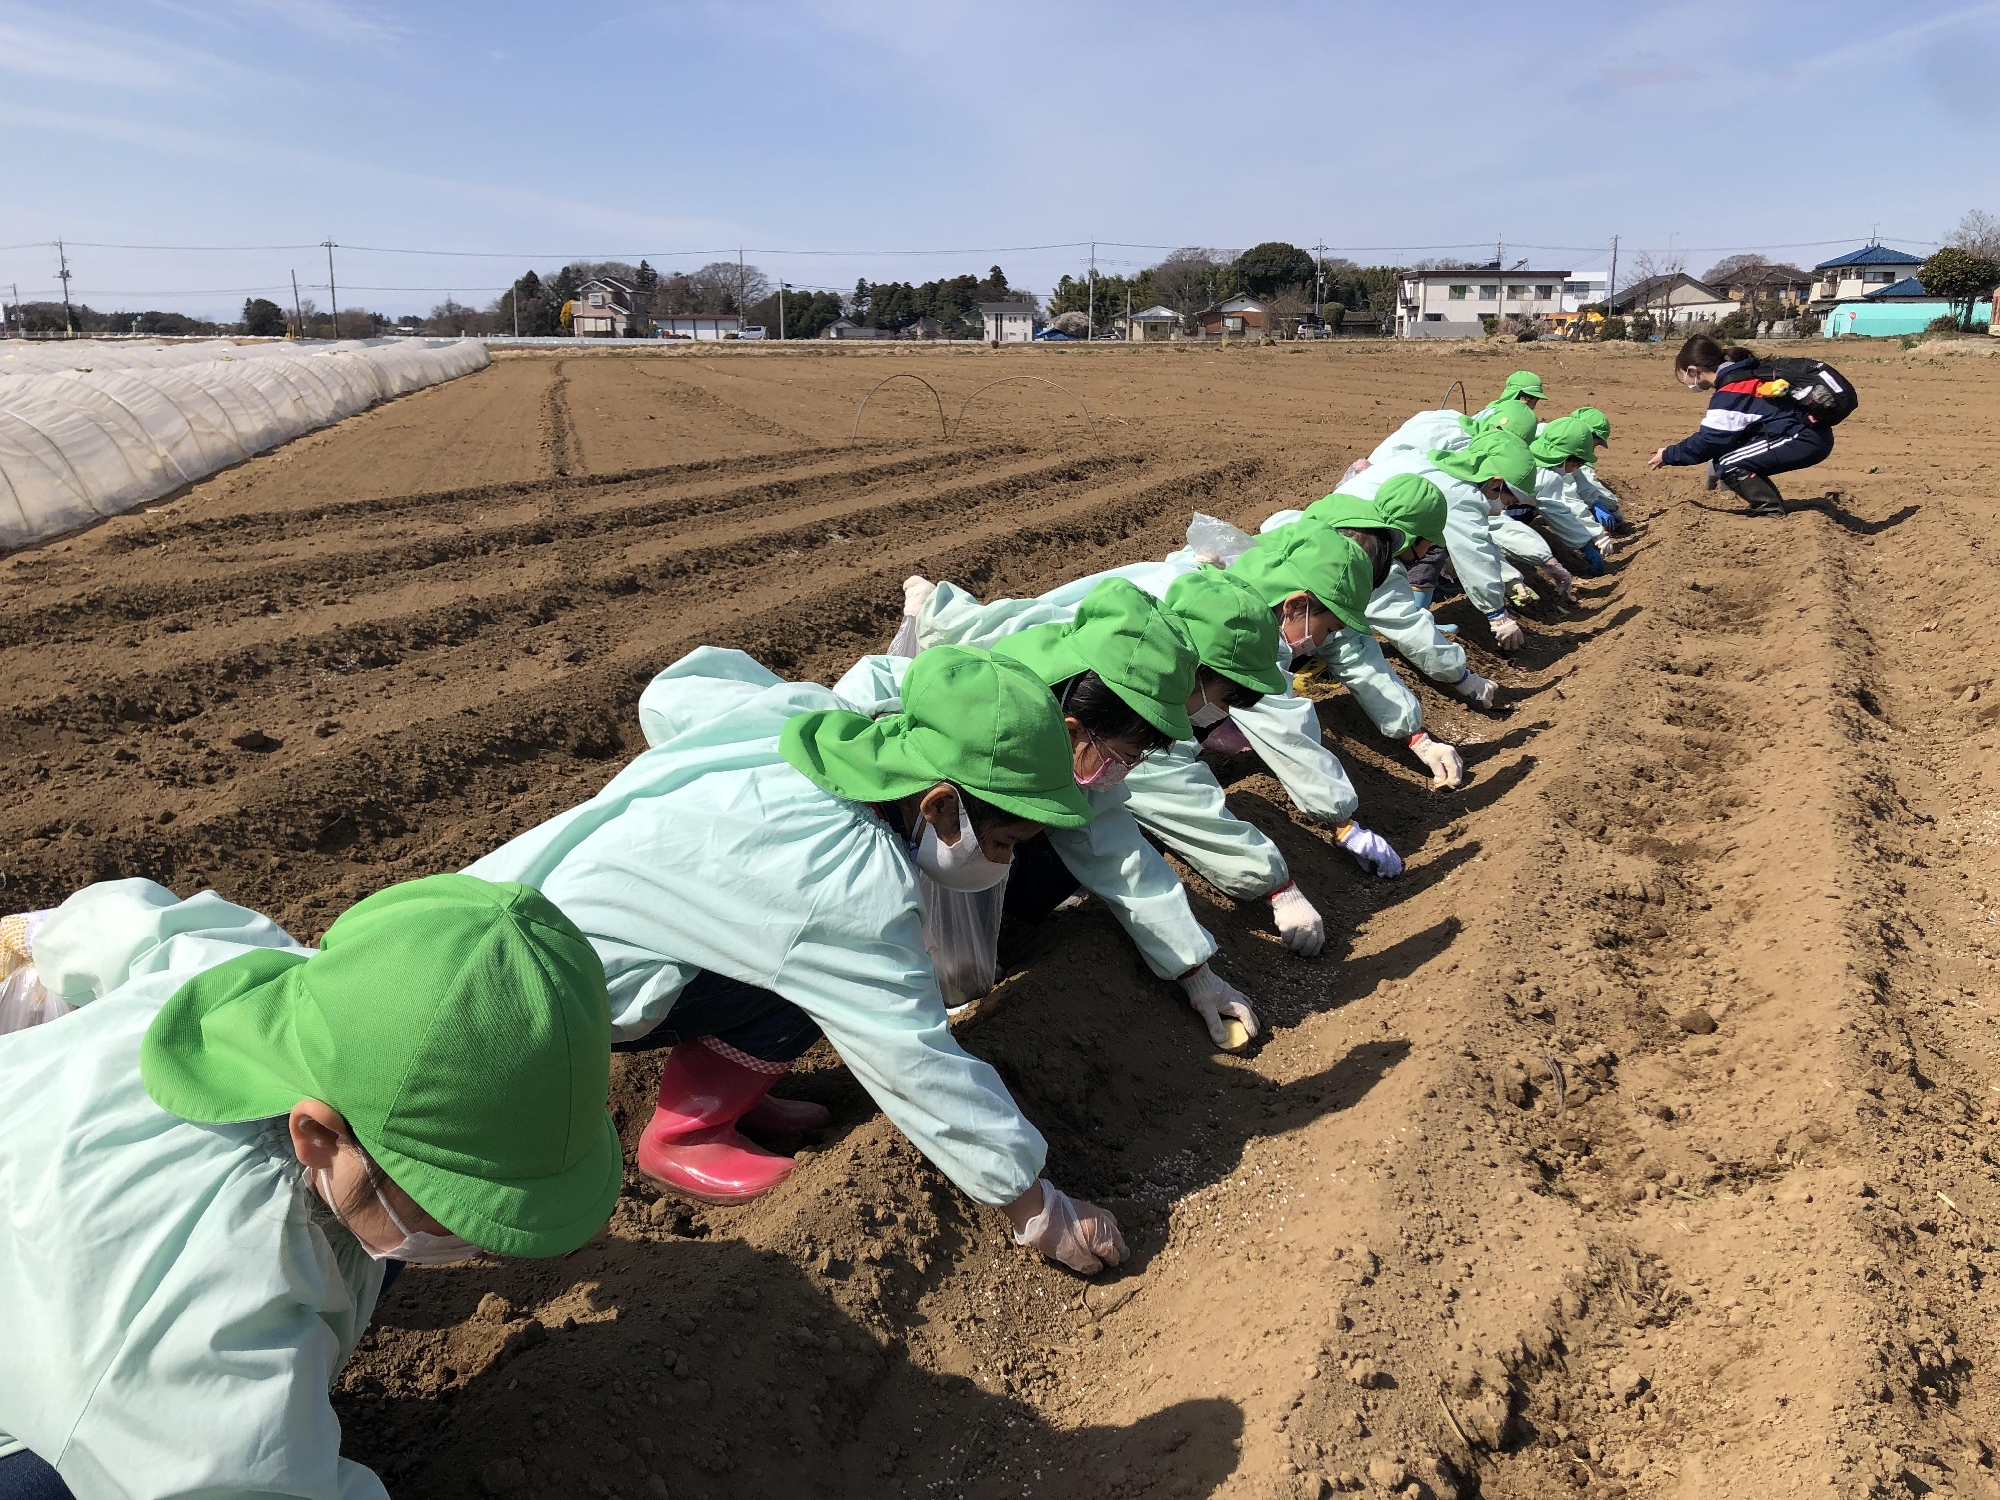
[
  {"x": 537, "y": 1216},
  {"x": 1338, "y": 510},
  {"x": 1049, "y": 651}
]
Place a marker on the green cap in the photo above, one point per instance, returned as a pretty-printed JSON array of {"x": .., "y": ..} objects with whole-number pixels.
[
  {"x": 462, "y": 1028},
  {"x": 985, "y": 724},
  {"x": 1337, "y": 510},
  {"x": 1233, "y": 629},
  {"x": 1509, "y": 415},
  {"x": 1119, "y": 633},
  {"x": 1523, "y": 383},
  {"x": 1309, "y": 557},
  {"x": 1491, "y": 454},
  {"x": 1562, "y": 440},
  {"x": 1413, "y": 503},
  {"x": 1600, "y": 425}
]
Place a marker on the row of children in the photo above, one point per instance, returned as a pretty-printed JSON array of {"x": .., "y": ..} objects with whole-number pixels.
[{"x": 214, "y": 1166}]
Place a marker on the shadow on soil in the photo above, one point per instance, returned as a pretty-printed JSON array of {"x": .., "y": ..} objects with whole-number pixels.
[{"x": 708, "y": 1369}]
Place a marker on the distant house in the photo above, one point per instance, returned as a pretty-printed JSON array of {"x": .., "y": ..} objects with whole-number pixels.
[
  {"x": 604, "y": 309},
  {"x": 1156, "y": 322},
  {"x": 849, "y": 330},
  {"x": 1237, "y": 317},
  {"x": 698, "y": 326},
  {"x": 926, "y": 327},
  {"x": 1454, "y": 303},
  {"x": 1848, "y": 277},
  {"x": 1754, "y": 284},
  {"x": 1008, "y": 322},
  {"x": 1678, "y": 298},
  {"x": 1583, "y": 289}
]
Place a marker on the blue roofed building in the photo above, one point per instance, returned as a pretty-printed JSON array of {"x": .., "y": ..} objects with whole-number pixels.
[{"x": 1854, "y": 275}]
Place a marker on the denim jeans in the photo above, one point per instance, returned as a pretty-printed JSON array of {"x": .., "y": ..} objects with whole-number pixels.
[{"x": 23, "y": 1476}]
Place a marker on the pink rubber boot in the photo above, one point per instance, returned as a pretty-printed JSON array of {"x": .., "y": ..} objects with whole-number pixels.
[{"x": 692, "y": 1145}]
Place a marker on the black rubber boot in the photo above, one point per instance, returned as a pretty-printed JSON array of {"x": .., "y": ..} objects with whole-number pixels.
[{"x": 1761, "y": 493}]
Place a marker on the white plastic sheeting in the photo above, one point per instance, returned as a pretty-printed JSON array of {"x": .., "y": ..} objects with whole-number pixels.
[{"x": 90, "y": 429}]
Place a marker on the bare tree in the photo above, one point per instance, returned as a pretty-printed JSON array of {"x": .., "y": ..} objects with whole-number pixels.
[
  {"x": 1285, "y": 309},
  {"x": 1979, "y": 232},
  {"x": 1656, "y": 270},
  {"x": 1187, "y": 279}
]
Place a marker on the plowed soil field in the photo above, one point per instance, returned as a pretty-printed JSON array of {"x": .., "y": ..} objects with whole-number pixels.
[{"x": 1638, "y": 1140}]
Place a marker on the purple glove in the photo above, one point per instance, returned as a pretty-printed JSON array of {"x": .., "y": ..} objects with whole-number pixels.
[{"x": 1372, "y": 850}]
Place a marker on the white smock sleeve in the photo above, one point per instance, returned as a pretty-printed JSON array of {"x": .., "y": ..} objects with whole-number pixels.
[
  {"x": 1426, "y": 432},
  {"x": 1520, "y": 541},
  {"x": 1175, "y": 797},
  {"x": 874, "y": 685},
  {"x": 1113, "y": 861},
  {"x": 1357, "y": 660},
  {"x": 1404, "y": 623},
  {"x": 1569, "y": 522},
  {"x": 878, "y": 1003},
  {"x": 953, "y": 617},
  {"x": 1591, "y": 490},
  {"x": 1468, "y": 537},
  {"x": 1285, "y": 733}
]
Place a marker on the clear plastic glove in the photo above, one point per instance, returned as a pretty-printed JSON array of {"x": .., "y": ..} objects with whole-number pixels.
[
  {"x": 1368, "y": 846},
  {"x": 1559, "y": 577},
  {"x": 1218, "y": 1002},
  {"x": 1447, "y": 768},
  {"x": 1081, "y": 1236},
  {"x": 1481, "y": 692},
  {"x": 1299, "y": 924},
  {"x": 1507, "y": 632}
]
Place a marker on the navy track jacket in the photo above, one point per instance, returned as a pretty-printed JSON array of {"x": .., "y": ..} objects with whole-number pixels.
[{"x": 1736, "y": 413}]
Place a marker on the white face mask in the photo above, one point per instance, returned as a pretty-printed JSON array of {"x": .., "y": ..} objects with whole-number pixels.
[
  {"x": 1208, "y": 715},
  {"x": 961, "y": 865},
  {"x": 416, "y": 1246}
]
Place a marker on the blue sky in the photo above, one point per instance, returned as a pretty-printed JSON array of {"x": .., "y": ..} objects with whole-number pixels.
[{"x": 863, "y": 127}]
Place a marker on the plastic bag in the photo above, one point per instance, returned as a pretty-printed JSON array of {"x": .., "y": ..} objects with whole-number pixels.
[
  {"x": 23, "y": 1001},
  {"x": 962, "y": 931},
  {"x": 905, "y": 641},
  {"x": 1216, "y": 543}
]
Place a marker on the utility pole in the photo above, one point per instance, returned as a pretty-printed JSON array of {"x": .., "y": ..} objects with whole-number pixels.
[
  {"x": 1319, "y": 281},
  {"x": 514, "y": 296},
  {"x": 742, "y": 312},
  {"x": 1090, "y": 296},
  {"x": 298, "y": 317},
  {"x": 1611, "y": 290},
  {"x": 782, "y": 289},
  {"x": 333, "y": 294},
  {"x": 62, "y": 258},
  {"x": 21, "y": 328}
]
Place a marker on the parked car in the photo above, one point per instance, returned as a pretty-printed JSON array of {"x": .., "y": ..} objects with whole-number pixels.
[{"x": 1053, "y": 336}]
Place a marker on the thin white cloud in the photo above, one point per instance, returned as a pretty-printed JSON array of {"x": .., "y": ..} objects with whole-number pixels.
[
  {"x": 37, "y": 44},
  {"x": 330, "y": 21}
]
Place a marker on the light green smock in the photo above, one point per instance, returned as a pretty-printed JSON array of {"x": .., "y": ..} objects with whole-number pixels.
[
  {"x": 1426, "y": 432},
  {"x": 1468, "y": 534},
  {"x": 709, "y": 851},
  {"x": 175, "y": 1309}
]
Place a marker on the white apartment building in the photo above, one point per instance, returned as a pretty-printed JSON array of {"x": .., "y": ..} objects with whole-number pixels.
[
  {"x": 1453, "y": 304},
  {"x": 1583, "y": 288}
]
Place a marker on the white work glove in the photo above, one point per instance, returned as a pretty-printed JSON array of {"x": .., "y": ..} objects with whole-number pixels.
[
  {"x": 1507, "y": 632},
  {"x": 1372, "y": 850},
  {"x": 1214, "y": 997},
  {"x": 1302, "y": 928},
  {"x": 1476, "y": 690},
  {"x": 1081, "y": 1236},
  {"x": 1561, "y": 577},
  {"x": 1446, "y": 766},
  {"x": 1607, "y": 545},
  {"x": 917, "y": 591}
]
